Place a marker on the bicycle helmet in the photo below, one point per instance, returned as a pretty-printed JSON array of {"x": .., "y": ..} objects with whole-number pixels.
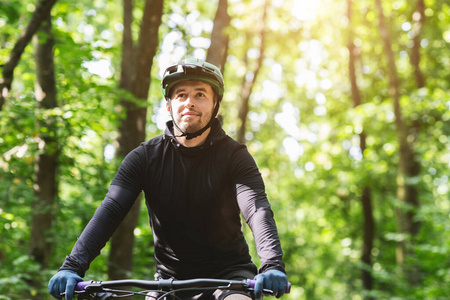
[{"x": 195, "y": 70}]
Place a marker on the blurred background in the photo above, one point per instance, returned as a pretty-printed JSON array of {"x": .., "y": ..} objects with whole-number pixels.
[{"x": 345, "y": 106}]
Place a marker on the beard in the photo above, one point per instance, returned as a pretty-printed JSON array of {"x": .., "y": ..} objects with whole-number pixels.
[
  {"x": 191, "y": 127},
  {"x": 198, "y": 123}
]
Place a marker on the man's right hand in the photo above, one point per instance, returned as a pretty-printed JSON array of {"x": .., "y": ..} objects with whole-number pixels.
[{"x": 63, "y": 281}]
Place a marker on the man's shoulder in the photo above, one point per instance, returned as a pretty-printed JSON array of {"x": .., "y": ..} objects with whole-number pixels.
[
  {"x": 148, "y": 146},
  {"x": 155, "y": 141},
  {"x": 230, "y": 145}
]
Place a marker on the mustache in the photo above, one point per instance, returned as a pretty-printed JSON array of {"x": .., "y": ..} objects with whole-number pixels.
[{"x": 184, "y": 112}]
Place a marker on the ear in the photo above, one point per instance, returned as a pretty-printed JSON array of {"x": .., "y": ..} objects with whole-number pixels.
[
  {"x": 218, "y": 110},
  {"x": 167, "y": 105}
]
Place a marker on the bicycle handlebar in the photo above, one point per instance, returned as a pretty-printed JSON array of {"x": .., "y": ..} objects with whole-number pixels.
[
  {"x": 171, "y": 284},
  {"x": 252, "y": 282}
]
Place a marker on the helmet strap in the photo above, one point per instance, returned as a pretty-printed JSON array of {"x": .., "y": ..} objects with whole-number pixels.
[{"x": 190, "y": 136}]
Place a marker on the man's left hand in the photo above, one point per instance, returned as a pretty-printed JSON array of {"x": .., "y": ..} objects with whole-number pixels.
[{"x": 273, "y": 280}]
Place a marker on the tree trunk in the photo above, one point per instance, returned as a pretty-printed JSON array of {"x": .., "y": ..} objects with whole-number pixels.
[
  {"x": 249, "y": 81},
  {"x": 418, "y": 19},
  {"x": 118, "y": 262},
  {"x": 132, "y": 129},
  {"x": 45, "y": 179},
  {"x": 218, "y": 51},
  {"x": 366, "y": 199},
  {"x": 40, "y": 14},
  {"x": 127, "y": 47},
  {"x": 408, "y": 167},
  {"x": 246, "y": 90}
]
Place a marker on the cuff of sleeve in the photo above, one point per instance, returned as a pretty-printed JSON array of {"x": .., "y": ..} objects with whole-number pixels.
[
  {"x": 274, "y": 265},
  {"x": 70, "y": 265}
]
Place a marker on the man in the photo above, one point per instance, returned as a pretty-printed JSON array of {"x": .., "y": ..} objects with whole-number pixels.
[{"x": 197, "y": 181}]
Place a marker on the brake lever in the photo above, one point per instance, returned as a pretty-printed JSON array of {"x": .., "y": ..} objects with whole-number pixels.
[{"x": 267, "y": 292}]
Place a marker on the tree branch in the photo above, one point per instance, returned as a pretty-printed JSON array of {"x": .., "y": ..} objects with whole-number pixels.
[{"x": 43, "y": 8}]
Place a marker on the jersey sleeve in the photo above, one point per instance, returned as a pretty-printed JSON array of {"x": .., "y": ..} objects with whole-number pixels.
[
  {"x": 122, "y": 194},
  {"x": 255, "y": 208}
]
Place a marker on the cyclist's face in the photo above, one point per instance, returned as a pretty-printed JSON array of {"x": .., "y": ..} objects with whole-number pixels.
[{"x": 192, "y": 105}]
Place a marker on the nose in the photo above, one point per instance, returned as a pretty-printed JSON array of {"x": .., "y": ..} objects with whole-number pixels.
[{"x": 189, "y": 102}]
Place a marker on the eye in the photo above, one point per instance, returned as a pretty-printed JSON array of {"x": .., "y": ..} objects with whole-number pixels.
[
  {"x": 200, "y": 94},
  {"x": 180, "y": 96}
]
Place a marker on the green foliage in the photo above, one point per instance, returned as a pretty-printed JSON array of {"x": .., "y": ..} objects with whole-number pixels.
[
  {"x": 303, "y": 132},
  {"x": 22, "y": 279}
]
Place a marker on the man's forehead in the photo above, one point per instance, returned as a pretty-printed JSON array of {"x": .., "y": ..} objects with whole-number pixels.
[{"x": 197, "y": 85}]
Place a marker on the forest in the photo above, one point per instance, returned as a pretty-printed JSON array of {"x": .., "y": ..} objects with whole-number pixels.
[{"x": 345, "y": 106}]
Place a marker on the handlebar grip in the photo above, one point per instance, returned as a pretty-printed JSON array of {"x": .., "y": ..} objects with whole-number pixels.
[
  {"x": 82, "y": 284},
  {"x": 252, "y": 283}
]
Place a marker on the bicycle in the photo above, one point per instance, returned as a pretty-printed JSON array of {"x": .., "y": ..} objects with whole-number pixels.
[{"x": 165, "y": 288}]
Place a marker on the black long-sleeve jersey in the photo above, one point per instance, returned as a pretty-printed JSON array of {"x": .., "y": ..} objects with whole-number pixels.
[{"x": 194, "y": 198}]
